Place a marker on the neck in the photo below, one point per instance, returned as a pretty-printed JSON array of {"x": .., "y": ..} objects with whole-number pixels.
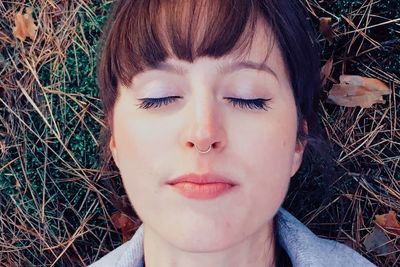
[{"x": 256, "y": 250}]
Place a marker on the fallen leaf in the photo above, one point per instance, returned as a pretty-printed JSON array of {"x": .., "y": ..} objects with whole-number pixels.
[
  {"x": 378, "y": 242},
  {"x": 326, "y": 29},
  {"x": 389, "y": 222},
  {"x": 24, "y": 25},
  {"x": 125, "y": 223},
  {"x": 370, "y": 83},
  {"x": 326, "y": 71},
  {"x": 355, "y": 90},
  {"x": 352, "y": 96}
]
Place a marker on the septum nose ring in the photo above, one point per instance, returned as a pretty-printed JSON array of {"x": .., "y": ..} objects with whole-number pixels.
[{"x": 201, "y": 151}]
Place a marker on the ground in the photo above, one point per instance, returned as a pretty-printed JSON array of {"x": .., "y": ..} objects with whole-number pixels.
[{"x": 56, "y": 198}]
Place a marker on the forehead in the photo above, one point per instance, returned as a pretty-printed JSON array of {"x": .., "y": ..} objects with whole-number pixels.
[{"x": 261, "y": 44}]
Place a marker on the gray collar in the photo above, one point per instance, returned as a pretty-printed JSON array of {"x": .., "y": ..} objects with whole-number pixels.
[{"x": 303, "y": 247}]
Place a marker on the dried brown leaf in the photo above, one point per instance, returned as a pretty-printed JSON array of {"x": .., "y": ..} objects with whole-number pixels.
[
  {"x": 24, "y": 25},
  {"x": 389, "y": 222},
  {"x": 359, "y": 91},
  {"x": 378, "y": 240},
  {"x": 125, "y": 223},
  {"x": 370, "y": 83}
]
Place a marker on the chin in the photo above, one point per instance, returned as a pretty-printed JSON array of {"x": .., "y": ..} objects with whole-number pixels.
[
  {"x": 203, "y": 242},
  {"x": 203, "y": 237}
]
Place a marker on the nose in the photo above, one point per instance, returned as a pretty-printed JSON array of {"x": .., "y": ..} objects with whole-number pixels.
[{"x": 204, "y": 130}]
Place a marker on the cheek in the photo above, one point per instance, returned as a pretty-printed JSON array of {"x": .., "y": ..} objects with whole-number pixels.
[
  {"x": 135, "y": 136},
  {"x": 141, "y": 149},
  {"x": 268, "y": 157},
  {"x": 130, "y": 137},
  {"x": 133, "y": 163},
  {"x": 274, "y": 154}
]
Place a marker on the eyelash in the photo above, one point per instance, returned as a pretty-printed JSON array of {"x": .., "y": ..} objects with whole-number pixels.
[{"x": 258, "y": 103}]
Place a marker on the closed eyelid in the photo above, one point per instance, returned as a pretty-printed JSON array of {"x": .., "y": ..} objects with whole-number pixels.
[{"x": 258, "y": 103}]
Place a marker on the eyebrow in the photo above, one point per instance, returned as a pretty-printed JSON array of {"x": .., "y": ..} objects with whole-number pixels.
[
  {"x": 222, "y": 69},
  {"x": 238, "y": 65}
]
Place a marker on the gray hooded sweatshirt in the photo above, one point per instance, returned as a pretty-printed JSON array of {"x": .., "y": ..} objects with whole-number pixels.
[{"x": 303, "y": 247}]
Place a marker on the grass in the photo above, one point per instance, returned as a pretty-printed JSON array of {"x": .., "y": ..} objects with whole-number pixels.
[{"x": 56, "y": 199}]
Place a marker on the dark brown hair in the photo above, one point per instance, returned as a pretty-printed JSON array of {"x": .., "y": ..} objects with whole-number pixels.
[{"x": 141, "y": 33}]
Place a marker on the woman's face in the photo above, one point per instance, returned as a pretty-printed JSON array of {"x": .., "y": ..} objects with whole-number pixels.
[{"x": 256, "y": 148}]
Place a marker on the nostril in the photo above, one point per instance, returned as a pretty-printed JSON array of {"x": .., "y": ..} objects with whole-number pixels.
[{"x": 191, "y": 144}]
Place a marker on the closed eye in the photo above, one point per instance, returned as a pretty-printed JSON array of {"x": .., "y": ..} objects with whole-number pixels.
[
  {"x": 258, "y": 103},
  {"x": 147, "y": 103}
]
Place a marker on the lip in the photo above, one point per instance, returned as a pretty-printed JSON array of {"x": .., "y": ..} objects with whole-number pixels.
[
  {"x": 206, "y": 186},
  {"x": 207, "y": 178}
]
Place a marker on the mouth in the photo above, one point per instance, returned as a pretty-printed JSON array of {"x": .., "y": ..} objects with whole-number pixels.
[{"x": 206, "y": 186}]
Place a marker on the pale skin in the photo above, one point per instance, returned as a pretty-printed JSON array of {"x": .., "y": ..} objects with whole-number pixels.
[{"x": 255, "y": 147}]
